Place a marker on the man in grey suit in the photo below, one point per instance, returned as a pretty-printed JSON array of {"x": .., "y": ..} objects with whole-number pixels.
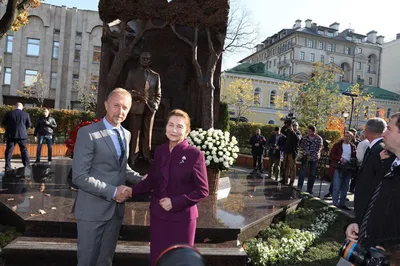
[{"x": 99, "y": 169}]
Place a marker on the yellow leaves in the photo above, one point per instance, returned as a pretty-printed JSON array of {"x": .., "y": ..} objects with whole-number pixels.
[{"x": 22, "y": 18}]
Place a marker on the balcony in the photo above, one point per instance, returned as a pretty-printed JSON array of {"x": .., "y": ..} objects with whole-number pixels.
[{"x": 284, "y": 63}]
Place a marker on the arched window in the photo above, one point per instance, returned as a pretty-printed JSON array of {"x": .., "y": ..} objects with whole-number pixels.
[
  {"x": 389, "y": 110},
  {"x": 271, "y": 122},
  {"x": 272, "y": 98},
  {"x": 257, "y": 96}
]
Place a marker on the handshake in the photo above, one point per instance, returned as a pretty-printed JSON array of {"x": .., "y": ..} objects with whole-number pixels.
[{"x": 123, "y": 194}]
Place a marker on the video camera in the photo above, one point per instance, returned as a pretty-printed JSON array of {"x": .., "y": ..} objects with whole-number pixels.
[
  {"x": 360, "y": 256},
  {"x": 289, "y": 118},
  {"x": 182, "y": 255}
]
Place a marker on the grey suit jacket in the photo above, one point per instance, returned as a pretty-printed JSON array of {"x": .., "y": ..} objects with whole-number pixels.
[{"x": 97, "y": 172}]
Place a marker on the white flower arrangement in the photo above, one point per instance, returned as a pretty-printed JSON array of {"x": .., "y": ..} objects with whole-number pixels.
[{"x": 219, "y": 148}]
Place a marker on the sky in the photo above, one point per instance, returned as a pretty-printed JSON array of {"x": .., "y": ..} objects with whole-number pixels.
[{"x": 272, "y": 16}]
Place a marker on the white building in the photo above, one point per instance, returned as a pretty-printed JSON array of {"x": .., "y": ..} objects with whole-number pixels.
[
  {"x": 391, "y": 65},
  {"x": 61, "y": 43}
]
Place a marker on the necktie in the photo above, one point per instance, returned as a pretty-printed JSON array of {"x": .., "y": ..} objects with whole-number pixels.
[{"x": 121, "y": 146}]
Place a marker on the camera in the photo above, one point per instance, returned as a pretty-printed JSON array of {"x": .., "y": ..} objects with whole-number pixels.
[
  {"x": 360, "y": 256},
  {"x": 180, "y": 254}
]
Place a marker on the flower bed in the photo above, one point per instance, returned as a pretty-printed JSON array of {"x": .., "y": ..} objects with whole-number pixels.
[{"x": 285, "y": 243}]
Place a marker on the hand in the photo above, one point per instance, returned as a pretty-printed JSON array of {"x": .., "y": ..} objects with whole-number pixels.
[
  {"x": 123, "y": 193},
  {"x": 352, "y": 232},
  {"x": 166, "y": 204},
  {"x": 144, "y": 177},
  {"x": 256, "y": 144},
  {"x": 384, "y": 155}
]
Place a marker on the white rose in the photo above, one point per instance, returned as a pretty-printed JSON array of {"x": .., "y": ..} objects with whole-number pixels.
[
  {"x": 216, "y": 160},
  {"x": 209, "y": 158},
  {"x": 213, "y": 152},
  {"x": 201, "y": 137},
  {"x": 216, "y": 138},
  {"x": 207, "y": 162},
  {"x": 200, "y": 130},
  {"x": 221, "y": 160},
  {"x": 228, "y": 153},
  {"x": 218, "y": 143},
  {"x": 209, "y": 133},
  {"x": 225, "y": 149},
  {"x": 226, "y": 164},
  {"x": 234, "y": 155},
  {"x": 210, "y": 145},
  {"x": 207, "y": 153},
  {"x": 209, "y": 138},
  {"x": 204, "y": 146},
  {"x": 220, "y": 153}
]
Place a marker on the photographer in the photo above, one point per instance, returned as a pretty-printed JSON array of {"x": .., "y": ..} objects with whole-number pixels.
[
  {"x": 343, "y": 164},
  {"x": 275, "y": 144},
  {"x": 380, "y": 222},
  {"x": 44, "y": 132}
]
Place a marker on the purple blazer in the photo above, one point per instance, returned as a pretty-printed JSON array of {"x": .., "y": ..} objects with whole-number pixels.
[{"x": 180, "y": 175}]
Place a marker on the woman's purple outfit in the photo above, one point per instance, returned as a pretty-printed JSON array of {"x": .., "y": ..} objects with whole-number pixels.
[{"x": 180, "y": 175}]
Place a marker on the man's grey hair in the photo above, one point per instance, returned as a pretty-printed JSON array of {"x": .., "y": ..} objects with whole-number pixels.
[
  {"x": 295, "y": 123},
  {"x": 376, "y": 125}
]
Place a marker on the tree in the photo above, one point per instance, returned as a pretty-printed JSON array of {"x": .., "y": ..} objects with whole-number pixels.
[
  {"x": 317, "y": 100},
  {"x": 16, "y": 14},
  {"x": 36, "y": 88},
  {"x": 239, "y": 94},
  {"x": 286, "y": 96},
  {"x": 87, "y": 93},
  {"x": 363, "y": 100},
  {"x": 242, "y": 33}
]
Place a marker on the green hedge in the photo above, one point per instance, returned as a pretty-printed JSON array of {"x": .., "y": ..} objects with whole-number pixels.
[
  {"x": 66, "y": 119},
  {"x": 223, "y": 121},
  {"x": 243, "y": 131}
]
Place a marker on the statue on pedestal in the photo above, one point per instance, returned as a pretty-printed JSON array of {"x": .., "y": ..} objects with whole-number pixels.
[{"x": 145, "y": 86}]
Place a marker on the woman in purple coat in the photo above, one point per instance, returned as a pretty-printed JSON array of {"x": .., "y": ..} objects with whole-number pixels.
[{"x": 178, "y": 178}]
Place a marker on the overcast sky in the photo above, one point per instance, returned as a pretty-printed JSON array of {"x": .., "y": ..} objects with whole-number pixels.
[{"x": 272, "y": 16}]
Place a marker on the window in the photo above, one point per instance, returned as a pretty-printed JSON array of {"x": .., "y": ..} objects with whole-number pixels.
[
  {"x": 285, "y": 97},
  {"x": 358, "y": 65},
  {"x": 369, "y": 69},
  {"x": 370, "y": 81},
  {"x": 332, "y": 59},
  {"x": 274, "y": 62},
  {"x": 56, "y": 31},
  {"x": 256, "y": 97},
  {"x": 340, "y": 78},
  {"x": 56, "y": 49},
  {"x": 272, "y": 98},
  {"x": 322, "y": 59},
  {"x": 284, "y": 72},
  {"x": 7, "y": 76},
  {"x": 321, "y": 32},
  {"x": 349, "y": 38},
  {"x": 271, "y": 122},
  {"x": 77, "y": 52},
  {"x": 302, "y": 55},
  {"x": 33, "y": 47},
  {"x": 320, "y": 45},
  {"x": 388, "y": 113},
  {"x": 96, "y": 54},
  {"x": 310, "y": 44},
  {"x": 359, "y": 50},
  {"x": 30, "y": 77},
  {"x": 330, "y": 34},
  {"x": 269, "y": 64},
  {"x": 348, "y": 50},
  {"x": 9, "y": 43},
  {"x": 290, "y": 70},
  {"x": 358, "y": 40},
  {"x": 53, "y": 82},
  {"x": 75, "y": 81},
  {"x": 329, "y": 47},
  {"x": 312, "y": 57},
  {"x": 358, "y": 77}
]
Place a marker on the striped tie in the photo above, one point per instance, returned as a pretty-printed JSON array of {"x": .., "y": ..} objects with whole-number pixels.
[{"x": 121, "y": 146}]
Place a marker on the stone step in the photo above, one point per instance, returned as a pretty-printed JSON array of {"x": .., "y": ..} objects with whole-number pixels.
[{"x": 34, "y": 251}]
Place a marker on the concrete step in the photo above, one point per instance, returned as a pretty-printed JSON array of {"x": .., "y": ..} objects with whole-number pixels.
[{"x": 62, "y": 252}]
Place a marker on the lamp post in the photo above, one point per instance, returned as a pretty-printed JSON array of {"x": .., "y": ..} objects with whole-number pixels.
[
  {"x": 352, "y": 95},
  {"x": 345, "y": 115}
]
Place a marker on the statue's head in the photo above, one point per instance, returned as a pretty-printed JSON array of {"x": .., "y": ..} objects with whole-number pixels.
[{"x": 145, "y": 59}]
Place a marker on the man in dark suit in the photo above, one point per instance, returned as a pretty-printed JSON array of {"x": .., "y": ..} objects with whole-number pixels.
[
  {"x": 258, "y": 143},
  {"x": 367, "y": 178},
  {"x": 16, "y": 122},
  {"x": 275, "y": 145},
  {"x": 145, "y": 87}
]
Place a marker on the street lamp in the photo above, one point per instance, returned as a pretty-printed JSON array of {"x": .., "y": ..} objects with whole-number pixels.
[
  {"x": 345, "y": 115},
  {"x": 352, "y": 95}
]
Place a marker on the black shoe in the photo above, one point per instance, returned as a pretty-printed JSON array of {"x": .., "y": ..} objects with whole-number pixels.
[
  {"x": 328, "y": 196},
  {"x": 344, "y": 207}
]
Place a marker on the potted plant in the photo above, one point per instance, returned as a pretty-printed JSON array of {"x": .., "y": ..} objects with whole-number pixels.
[{"x": 220, "y": 150}]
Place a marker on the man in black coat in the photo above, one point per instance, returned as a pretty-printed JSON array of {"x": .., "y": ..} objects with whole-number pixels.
[
  {"x": 16, "y": 122},
  {"x": 275, "y": 150},
  {"x": 258, "y": 143},
  {"x": 368, "y": 178},
  {"x": 44, "y": 132}
]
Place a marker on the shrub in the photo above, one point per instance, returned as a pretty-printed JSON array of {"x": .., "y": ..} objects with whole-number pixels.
[{"x": 223, "y": 121}]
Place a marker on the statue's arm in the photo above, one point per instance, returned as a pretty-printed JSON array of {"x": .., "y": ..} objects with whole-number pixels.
[{"x": 157, "y": 96}]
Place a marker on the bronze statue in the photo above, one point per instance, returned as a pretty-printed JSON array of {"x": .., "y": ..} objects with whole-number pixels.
[{"x": 145, "y": 87}]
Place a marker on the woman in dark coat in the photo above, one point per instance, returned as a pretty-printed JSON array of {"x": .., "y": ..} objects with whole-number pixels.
[{"x": 178, "y": 178}]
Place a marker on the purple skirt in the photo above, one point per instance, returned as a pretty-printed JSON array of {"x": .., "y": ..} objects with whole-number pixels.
[{"x": 164, "y": 234}]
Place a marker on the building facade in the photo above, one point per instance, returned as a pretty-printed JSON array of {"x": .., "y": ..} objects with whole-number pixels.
[
  {"x": 391, "y": 65},
  {"x": 291, "y": 52},
  {"x": 62, "y": 44},
  {"x": 266, "y": 86}
]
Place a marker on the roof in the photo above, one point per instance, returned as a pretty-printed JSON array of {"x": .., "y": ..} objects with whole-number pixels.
[
  {"x": 257, "y": 69},
  {"x": 376, "y": 92}
]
